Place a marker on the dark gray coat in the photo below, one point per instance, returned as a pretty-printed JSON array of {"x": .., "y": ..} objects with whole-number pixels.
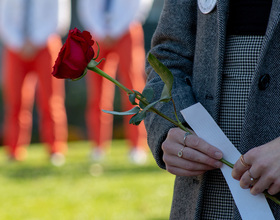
[{"x": 191, "y": 45}]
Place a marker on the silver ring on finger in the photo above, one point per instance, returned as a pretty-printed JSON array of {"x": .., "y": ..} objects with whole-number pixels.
[{"x": 185, "y": 137}]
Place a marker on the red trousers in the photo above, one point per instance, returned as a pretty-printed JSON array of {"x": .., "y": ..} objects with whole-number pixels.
[
  {"x": 127, "y": 58},
  {"x": 20, "y": 80}
]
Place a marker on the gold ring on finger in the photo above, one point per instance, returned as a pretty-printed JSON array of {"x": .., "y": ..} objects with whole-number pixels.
[
  {"x": 180, "y": 152},
  {"x": 242, "y": 161},
  {"x": 251, "y": 177}
]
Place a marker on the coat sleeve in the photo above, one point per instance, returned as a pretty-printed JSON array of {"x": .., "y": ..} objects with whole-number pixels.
[{"x": 173, "y": 44}]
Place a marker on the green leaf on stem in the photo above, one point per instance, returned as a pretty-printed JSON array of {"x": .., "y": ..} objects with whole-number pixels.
[
  {"x": 137, "y": 93},
  {"x": 137, "y": 118},
  {"x": 90, "y": 65},
  {"x": 165, "y": 95},
  {"x": 142, "y": 105},
  {"x": 150, "y": 106},
  {"x": 132, "y": 98},
  {"x": 97, "y": 51},
  {"x": 132, "y": 111},
  {"x": 146, "y": 108},
  {"x": 148, "y": 94},
  {"x": 164, "y": 73},
  {"x": 94, "y": 63}
]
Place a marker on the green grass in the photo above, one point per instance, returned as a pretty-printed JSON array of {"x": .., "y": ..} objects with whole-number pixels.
[{"x": 80, "y": 190}]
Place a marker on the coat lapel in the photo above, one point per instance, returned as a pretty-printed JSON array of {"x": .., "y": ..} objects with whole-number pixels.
[
  {"x": 222, "y": 16},
  {"x": 274, "y": 18},
  {"x": 254, "y": 94},
  {"x": 273, "y": 21}
]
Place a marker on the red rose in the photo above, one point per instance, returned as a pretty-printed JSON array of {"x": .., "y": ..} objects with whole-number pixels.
[{"x": 74, "y": 56}]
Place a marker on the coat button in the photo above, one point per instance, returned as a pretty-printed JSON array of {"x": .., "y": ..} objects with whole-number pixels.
[{"x": 264, "y": 81}]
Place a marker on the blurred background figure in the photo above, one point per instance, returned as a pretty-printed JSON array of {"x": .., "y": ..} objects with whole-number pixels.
[
  {"x": 31, "y": 33},
  {"x": 117, "y": 26}
]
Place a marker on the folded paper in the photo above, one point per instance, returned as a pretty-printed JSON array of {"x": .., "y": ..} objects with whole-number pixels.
[{"x": 201, "y": 122}]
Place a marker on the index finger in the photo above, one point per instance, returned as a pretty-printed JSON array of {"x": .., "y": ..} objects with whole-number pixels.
[
  {"x": 240, "y": 167},
  {"x": 199, "y": 144}
]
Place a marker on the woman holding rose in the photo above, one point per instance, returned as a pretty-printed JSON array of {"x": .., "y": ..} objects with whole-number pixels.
[{"x": 225, "y": 55}]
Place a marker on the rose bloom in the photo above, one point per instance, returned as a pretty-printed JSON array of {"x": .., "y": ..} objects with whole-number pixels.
[{"x": 74, "y": 55}]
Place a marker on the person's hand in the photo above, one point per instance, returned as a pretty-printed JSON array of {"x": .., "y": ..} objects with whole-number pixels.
[
  {"x": 109, "y": 41},
  {"x": 197, "y": 155},
  {"x": 29, "y": 51},
  {"x": 260, "y": 169}
]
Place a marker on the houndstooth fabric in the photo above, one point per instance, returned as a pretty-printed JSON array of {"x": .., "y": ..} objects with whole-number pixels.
[{"x": 239, "y": 67}]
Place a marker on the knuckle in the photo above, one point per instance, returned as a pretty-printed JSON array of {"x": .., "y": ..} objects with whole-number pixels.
[
  {"x": 188, "y": 154},
  {"x": 164, "y": 146},
  {"x": 236, "y": 169},
  {"x": 209, "y": 149},
  {"x": 253, "y": 153},
  {"x": 172, "y": 131},
  {"x": 277, "y": 184},
  {"x": 270, "y": 177},
  {"x": 199, "y": 160},
  {"x": 165, "y": 158},
  {"x": 244, "y": 182},
  {"x": 261, "y": 166},
  {"x": 189, "y": 166},
  {"x": 170, "y": 169},
  {"x": 194, "y": 141},
  {"x": 208, "y": 161}
]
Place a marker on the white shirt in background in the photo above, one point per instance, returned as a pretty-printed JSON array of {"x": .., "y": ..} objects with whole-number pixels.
[
  {"x": 45, "y": 17},
  {"x": 116, "y": 23}
]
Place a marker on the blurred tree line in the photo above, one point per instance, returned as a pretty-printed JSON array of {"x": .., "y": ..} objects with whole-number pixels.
[{"x": 76, "y": 94}]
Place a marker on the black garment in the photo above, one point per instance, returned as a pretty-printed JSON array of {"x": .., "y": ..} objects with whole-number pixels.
[{"x": 248, "y": 17}]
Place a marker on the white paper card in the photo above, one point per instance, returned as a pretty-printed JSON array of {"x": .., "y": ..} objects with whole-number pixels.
[{"x": 249, "y": 206}]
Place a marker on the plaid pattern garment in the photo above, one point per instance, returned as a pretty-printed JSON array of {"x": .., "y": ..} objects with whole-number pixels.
[{"x": 239, "y": 66}]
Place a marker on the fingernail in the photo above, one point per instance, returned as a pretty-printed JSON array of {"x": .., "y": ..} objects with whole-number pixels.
[{"x": 218, "y": 155}]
